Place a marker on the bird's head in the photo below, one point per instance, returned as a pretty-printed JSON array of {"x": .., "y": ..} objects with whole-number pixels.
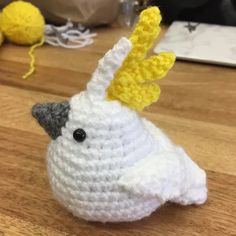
[{"x": 122, "y": 84}]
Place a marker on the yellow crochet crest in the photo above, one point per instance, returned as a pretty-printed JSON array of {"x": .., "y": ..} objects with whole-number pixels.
[{"x": 133, "y": 84}]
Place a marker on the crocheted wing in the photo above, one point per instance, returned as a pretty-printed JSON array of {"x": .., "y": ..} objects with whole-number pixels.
[
  {"x": 134, "y": 83},
  {"x": 158, "y": 175},
  {"x": 168, "y": 173}
]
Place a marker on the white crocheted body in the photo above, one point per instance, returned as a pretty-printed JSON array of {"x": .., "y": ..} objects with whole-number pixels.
[
  {"x": 84, "y": 175},
  {"x": 126, "y": 167}
]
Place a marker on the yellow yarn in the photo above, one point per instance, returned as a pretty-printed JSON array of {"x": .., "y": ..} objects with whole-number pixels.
[
  {"x": 1, "y": 38},
  {"x": 133, "y": 84},
  {"x": 22, "y": 23},
  {"x": 32, "y": 57}
]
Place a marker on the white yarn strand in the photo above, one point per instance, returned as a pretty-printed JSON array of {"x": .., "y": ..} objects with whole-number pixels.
[{"x": 68, "y": 36}]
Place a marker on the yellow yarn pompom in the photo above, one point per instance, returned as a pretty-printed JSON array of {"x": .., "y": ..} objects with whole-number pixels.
[
  {"x": 133, "y": 84},
  {"x": 22, "y": 23}
]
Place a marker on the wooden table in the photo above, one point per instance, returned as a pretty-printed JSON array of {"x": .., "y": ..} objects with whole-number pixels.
[{"x": 196, "y": 109}]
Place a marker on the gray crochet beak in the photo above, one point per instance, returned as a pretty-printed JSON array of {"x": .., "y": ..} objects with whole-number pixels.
[{"x": 52, "y": 117}]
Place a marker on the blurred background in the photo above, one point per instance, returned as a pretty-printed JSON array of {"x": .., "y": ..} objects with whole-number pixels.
[{"x": 99, "y": 12}]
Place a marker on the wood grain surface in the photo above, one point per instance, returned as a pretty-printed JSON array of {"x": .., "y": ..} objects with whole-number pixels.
[{"x": 196, "y": 109}]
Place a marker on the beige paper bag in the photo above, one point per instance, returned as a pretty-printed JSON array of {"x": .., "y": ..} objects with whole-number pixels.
[{"x": 87, "y": 12}]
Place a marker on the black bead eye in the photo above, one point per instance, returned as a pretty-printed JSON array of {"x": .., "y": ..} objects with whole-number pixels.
[{"x": 79, "y": 135}]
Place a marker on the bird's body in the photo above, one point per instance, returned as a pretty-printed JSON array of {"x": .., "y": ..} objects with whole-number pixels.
[{"x": 86, "y": 178}]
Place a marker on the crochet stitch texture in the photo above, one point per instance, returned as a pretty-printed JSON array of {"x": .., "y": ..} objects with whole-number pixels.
[
  {"x": 126, "y": 167},
  {"x": 133, "y": 84}
]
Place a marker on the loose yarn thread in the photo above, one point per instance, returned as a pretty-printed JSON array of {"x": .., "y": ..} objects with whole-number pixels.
[{"x": 32, "y": 59}]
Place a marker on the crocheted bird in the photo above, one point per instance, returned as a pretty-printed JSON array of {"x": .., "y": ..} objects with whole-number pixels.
[{"x": 107, "y": 163}]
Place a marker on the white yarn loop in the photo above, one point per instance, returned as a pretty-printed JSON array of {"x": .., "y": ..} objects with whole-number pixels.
[{"x": 68, "y": 35}]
